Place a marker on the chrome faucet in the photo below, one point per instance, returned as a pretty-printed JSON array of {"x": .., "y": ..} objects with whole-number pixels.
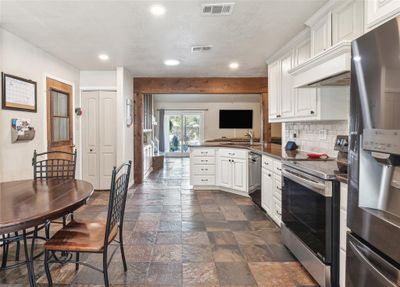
[{"x": 250, "y": 134}]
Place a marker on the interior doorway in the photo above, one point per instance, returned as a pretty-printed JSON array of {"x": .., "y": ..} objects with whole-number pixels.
[
  {"x": 98, "y": 137},
  {"x": 181, "y": 130}
]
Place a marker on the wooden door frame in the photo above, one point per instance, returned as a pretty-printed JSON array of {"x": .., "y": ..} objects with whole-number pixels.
[
  {"x": 214, "y": 85},
  {"x": 72, "y": 125}
]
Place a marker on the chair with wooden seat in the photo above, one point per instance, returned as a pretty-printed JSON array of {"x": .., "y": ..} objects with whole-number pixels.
[{"x": 93, "y": 237}]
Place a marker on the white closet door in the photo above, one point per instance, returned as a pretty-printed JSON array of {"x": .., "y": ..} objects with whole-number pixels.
[
  {"x": 98, "y": 136},
  {"x": 90, "y": 116},
  {"x": 107, "y": 136}
]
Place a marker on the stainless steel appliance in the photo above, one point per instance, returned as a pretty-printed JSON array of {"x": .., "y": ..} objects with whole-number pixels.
[
  {"x": 373, "y": 247},
  {"x": 310, "y": 215},
  {"x": 255, "y": 177}
]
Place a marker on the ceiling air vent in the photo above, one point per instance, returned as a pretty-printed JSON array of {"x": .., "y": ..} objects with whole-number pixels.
[
  {"x": 201, "y": 48},
  {"x": 217, "y": 9}
]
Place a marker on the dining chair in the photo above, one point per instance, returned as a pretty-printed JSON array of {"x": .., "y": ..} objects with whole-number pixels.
[
  {"x": 93, "y": 236},
  {"x": 46, "y": 165}
]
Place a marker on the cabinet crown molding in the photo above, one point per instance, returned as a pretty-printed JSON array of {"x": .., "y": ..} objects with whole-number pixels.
[{"x": 323, "y": 11}]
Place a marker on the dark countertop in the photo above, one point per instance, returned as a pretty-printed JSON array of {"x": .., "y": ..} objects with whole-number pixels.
[
  {"x": 273, "y": 150},
  {"x": 328, "y": 167}
]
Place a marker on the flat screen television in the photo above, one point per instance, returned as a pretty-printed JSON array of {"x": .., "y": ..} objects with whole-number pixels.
[{"x": 235, "y": 119}]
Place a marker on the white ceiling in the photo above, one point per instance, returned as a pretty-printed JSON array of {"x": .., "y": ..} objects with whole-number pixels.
[
  {"x": 77, "y": 31},
  {"x": 207, "y": 98}
]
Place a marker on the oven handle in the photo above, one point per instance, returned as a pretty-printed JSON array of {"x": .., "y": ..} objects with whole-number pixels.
[{"x": 319, "y": 187}]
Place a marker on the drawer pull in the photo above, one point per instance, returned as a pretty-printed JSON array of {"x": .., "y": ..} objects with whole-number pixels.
[
  {"x": 278, "y": 188},
  {"x": 279, "y": 213},
  {"x": 279, "y": 169},
  {"x": 204, "y": 169},
  {"x": 204, "y": 160},
  {"x": 269, "y": 175},
  {"x": 266, "y": 163},
  {"x": 204, "y": 180}
]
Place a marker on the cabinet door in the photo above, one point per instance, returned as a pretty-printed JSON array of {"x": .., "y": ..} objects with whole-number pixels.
[
  {"x": 302, "y": 52},
  {"x": 267, "y": 191},
  {"x": 239, "y": 174},
  {"x": 305, "y": 102},
  {"x": 379, "y": 11},
  {"x": 286, "y": 96},
  {"x": 347, "y": 21},
  {"x": 321, "y": 35},
  {"x": 224, "y": 172},
  {"x": 273, "y": 90}
]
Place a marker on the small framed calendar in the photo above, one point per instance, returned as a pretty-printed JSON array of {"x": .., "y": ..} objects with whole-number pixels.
[{"x": 18, "y": 93}]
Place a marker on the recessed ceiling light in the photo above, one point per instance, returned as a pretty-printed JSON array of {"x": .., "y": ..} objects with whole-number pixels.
[
  {"x": 171, "y": 62},
  {"x": 157, "y": 10},
  {"x": 104, "y": 57},
  {"x": 234, "y": 65}
]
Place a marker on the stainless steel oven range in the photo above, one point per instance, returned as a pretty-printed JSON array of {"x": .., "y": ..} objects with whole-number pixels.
[{"x": 310, "y": 215}]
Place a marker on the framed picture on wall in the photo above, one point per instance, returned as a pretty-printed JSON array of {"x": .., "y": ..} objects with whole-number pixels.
[{"x": 18, "y": 93}]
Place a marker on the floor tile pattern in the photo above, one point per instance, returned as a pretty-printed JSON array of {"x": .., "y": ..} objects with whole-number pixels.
[{"x": 175, "y": 236}]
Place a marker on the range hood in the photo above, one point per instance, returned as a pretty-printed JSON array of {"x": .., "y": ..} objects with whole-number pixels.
[{"x": 329, "y": 68}]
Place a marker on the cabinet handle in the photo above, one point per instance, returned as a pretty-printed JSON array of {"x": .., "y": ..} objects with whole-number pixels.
[
  {"x": 279, "y": 213},
  {"x": 312, "y": 112},
  {"x": 266, "y": 163},
  {"x": 204, "y": 160},
  {"x": 204, "y": 180},
  {"x": 278, "y": 188},
  {"x": 279, "y": 169},
  {"x": 204, "y": 169},
  {"x": 269, "y": 175}
]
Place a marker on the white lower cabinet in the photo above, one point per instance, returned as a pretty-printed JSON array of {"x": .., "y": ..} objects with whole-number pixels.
[
  {"x": 266, "y": 187},
  {"x": 239, "y": 174},
  {"x": 224, "y": 172},
  {"x": 213, "y": 168},
  {"x": 271, "y": 185}
]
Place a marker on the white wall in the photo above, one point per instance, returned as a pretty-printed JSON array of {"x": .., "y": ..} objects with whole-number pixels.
[
  {"x": 124, "y": 133},
  {"x": 98, "y": 79},
  {"x": 23, "y": 59},
  {"x": 211, "y": 117}
]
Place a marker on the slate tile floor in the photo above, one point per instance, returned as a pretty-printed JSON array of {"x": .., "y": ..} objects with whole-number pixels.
[{"x": 175, "y": 236}]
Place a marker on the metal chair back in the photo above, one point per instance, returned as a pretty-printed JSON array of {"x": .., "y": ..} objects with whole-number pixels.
[
  {"x": 117, "y": 199},
  {"x": 54, "y": 164}
]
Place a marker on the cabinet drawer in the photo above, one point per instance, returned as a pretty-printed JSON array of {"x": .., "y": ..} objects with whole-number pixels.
[
  {"x": 267, "y": 163},
  {"x": 277, "y": 167},
  {"x": 202, "y": 160},
  {"x": 203, "y": 180},
  {"x": 203, "y": 152},
  {"x": 203, "y": 169},
  {"x": 231, "y": 152}
]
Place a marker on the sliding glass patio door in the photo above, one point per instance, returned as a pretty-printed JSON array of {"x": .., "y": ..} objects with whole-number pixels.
[{"x": 182, "y": 129}]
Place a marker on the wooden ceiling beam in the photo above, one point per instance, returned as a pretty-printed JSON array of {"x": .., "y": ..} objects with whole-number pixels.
[{"x": 256, "y": 85}]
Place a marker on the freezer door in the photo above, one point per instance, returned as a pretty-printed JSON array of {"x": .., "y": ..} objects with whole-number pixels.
[{"x": 364, "y": 267}]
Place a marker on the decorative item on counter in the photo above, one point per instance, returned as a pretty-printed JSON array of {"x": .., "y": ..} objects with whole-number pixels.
[
  {"x": 318, "y": 155},
  {"x": 129, "y": 112},
  {"x": 21, "y": 130},
  {"x": 291, "y": 145},
  {"x": 18, "y": 93},
  {"x": 78, "y": 111}
]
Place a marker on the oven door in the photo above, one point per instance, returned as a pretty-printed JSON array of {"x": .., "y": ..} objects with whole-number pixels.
[{"x": 307, "y": 210}]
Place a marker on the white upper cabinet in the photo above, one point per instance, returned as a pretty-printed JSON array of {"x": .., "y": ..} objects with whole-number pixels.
[
  {"x": 380, "y": 11},
  {"x": 347, "y": 21},
  {"x": 305, "y": 99},
  {"x": 321, "y": 35},
  {"x": 274, "y": 82},
  {"x": 286, "y": 86}
]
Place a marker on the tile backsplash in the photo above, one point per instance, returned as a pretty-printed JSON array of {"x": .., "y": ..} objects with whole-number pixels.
[{"x": 315, "y": 136}]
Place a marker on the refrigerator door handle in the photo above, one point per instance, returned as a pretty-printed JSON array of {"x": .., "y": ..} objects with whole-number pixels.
[{"x": 359, "y": 252}]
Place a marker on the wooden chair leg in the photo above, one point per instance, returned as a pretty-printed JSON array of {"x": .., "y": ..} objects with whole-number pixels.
[
  {"x": 121, "y": 245},
  {"x": 77, "y": 260},
  {"x": 47, "y": 269},
  {"x": 105, "y": 268}
]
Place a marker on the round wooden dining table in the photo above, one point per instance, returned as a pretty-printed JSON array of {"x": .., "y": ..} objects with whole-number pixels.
[{"x": 26, "y": 204}]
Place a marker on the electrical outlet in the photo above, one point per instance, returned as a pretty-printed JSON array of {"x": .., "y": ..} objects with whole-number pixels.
[
  {"x": 323, "y": 134},
  {"x": 295, "y": 134}
]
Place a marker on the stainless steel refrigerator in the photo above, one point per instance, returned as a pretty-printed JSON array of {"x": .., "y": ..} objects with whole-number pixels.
[{"x": 373, "y": 245}]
